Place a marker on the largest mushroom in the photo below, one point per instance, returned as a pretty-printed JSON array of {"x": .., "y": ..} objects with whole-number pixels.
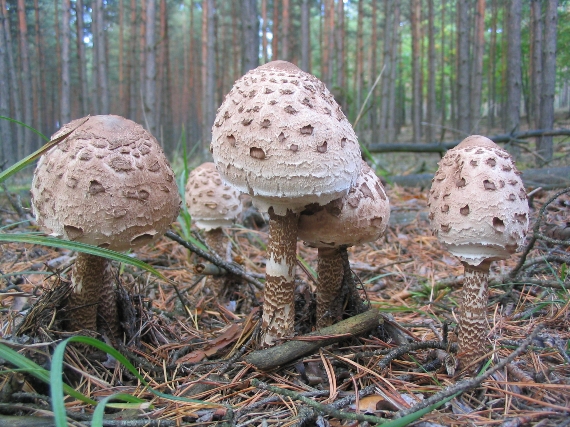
[
  {"x": 109, "y": 185},
  {"x": 479, "y": 211},
  {"x": 281, "y": 137}
]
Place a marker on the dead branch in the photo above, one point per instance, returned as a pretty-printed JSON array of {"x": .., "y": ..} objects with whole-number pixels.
[{"x": 300, "y": 346}]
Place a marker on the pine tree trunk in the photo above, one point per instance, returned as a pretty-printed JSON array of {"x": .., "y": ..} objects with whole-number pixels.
[
  {"x": 442, "y": 75},
  {"x": 25, "y": 81},
  {"x": 359, "y": 58},
  {"x": 535, "y": 67},
  {"x": 431, "y": 105},
  {"x": 477, "y": 66},
  {"x": 392, "y": 92},
  {"x": 372, "y": 112},
  {"x": 81, "y": 60},
  {"x": 65, "y": 102},
  {"x": 285, "y": 13},
  {"x": 250, "y": 36},
  {"x": 7, "y": 155},
  {"x": 415, "y": 10},
  {"x": 305, "y": 35},
  {"x": 492, "y": 110},
  {"x": 39, "y": 74},
  {"x": 514, "y": 78},
  {"x": 99, "y": 44},
  {"x": 149, "y": 94},
  {"x": 544, "y": 146},
  {"x": 265, "y": 27},
  {"x": 387, "y": 65},
  {"x": 340, "y": 59},
  {"x": 462, "y": 100},
  {"x": 122, "y": 106},
  {"x": 275, "y": 32},
  {"x": 209, "y": 75}
]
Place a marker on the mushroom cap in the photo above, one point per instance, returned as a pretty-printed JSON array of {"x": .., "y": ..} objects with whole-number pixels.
[
  {"x": 280, "y": 137},
  {"x": 211, "y": 202},
  {"x": 360, "y": 216},
  {"x": 478, "y": 205},
  {"x": 107, "y": 184}
]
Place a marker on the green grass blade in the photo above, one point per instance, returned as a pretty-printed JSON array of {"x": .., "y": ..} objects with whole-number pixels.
[
  {"x": 99, "y": 413},
  {"x": 37, "y": 132},
  {"x": 25, "y": 364},
  {"x": 18, "y": 166},
  {"x": 54, "y": 242},
  {"x": 408, "y": 419}
]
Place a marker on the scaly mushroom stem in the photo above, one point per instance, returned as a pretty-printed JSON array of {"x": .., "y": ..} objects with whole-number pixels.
[
  {"x": 330, "y": 270},
  {"x": 473, "y": 312},
  {"x": 279, "y": 296},
  {"x": 215, "y": 240},
  {"x": 93, "y": 293}
]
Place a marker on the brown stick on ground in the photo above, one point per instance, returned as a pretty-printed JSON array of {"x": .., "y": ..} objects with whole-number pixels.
[{"x": 284, "y": 353}]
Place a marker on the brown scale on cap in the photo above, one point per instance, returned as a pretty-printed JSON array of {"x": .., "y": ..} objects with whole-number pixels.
[
  {"x": 479, "y": 211},
  {"x": 297, "y": 149},
  {"x": 109, "y": 185}
]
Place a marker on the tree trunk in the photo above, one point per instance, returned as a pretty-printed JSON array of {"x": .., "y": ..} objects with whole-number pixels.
[
  {"x": 285, "y": 13},
  {"x": 417, "y": 99},
  {"x": 431, "y": 105},
  {"x": 250, "y": 36},
  {"x": 7, "y": 155},
  {"x": 25, "y": 81},
  {"x": 514, "y": 77},
  {"x": 132, "y": 63},
  {"x": 99, "y": 42},
  {"x": 462, "y": 95},
  {"x": 387, "y": 65},
  {"x": 477, "y": 66},
  {"x": 275, "y": 32},
  {"x": 39, "y": 74},
  {"x": 340, "y": 50},
  {"x": 265, "y": 27},
  {"x": 150, "y": 69},
  {"x": 81, "y": 60},
  {"x": 442, "y": 65},
  {"x": 65, "y": 102},
  {"x": 122, "y": 108},
  {"x": 535, "y": 66},
  {"x": 359, "y": 58},
  {"x": 492, "y": 102},
  {"x": 373, "y": 59},
  {"x": 392, "y": 92},
  {"x": 544, "y": 146},
  {"x": 326, "y": 48},
  {"x": 15, "y": 93},
  {"x": 209, "y": 61},
  {"x": 305, "y": 36}
]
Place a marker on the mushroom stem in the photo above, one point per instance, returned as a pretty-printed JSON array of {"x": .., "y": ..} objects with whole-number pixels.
[
  {"x": 331, "y": 272},
  {"x": 93, "y": 293},
  {"x": 215, "y": 240},
  {"x": 473, "y": 312},
  {"x": 279, "y": 296}
]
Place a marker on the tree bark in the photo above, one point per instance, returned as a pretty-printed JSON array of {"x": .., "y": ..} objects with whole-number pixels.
[
  {"x": 149, "y": 95},
  {"x": 341, "y": 53},
  {"x": 492, "y": 101},
  {"x": 65, "y": 102},
  {"x": 514, "y": 78},
  {"x": 386, "y": 76},
  {"x": 544, "y": 146},
  {"x": 25, "y": 80},
  {"x": 359, "y": 58},
  {"x": 250, "y": 35},
  {"x": 477, "y": 66},
  {"x": 209, "y": 61},
  {"x": 81, "y": 61},
  {"x": 132, "y": 63},
  {"x": 7, "y": 155},
  {"x": 462, "y": 94},
  {"x": 373, "y": 60},
  {"x": 275, "y": 32},
  {"x": 442, "y": 66},
  {"x": 535, "y": 66},
  {"x": 122, "y": 108},
  {"x": 265, "y": 27},
  {"x": 305, "y": 36},
  {"x": 417, "y": 99},
  {"x": 39, "y": 74},
  {"x": 392, "y": 92},
  {"x": 431, "y": 105},
  {"x": 99, "y": 43},
  {"x": 285, "y": 13}
]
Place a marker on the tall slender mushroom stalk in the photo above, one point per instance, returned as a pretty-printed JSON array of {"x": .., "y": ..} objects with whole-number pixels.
[
  {"x": 213, "y": 205},
  {"x": 280, "y": 137},
  {"x": 479, "y": 211},
  {"x": 359, "y": 217},
  {"x": 109, "y": 185}
]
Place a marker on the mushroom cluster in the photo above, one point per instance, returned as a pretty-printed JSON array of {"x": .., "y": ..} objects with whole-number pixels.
[
  {"x": 107, "y": 184},
  {"x": 479, "y": 210},
  {"x": 359, "y": 217},
  {"x": 280, "y": 137}
]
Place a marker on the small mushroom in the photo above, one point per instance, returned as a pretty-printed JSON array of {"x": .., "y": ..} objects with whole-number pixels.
[
  {"x": 109, "y": 185},
  {"x": 290, "y": 154},
  {"x": 359, "y": 217},
  {"x": 479, "y": 211},
  {"x": 213, "y": 204}
]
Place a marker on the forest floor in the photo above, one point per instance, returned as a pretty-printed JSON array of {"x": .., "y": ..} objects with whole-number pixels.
[{"x": 187, "y": 343}]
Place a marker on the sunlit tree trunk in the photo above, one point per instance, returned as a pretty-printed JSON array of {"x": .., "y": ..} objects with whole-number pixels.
[
  {"x": 514, "y": 79},
  {"x": 25, "y": 80},
  {"x": 544, "y": 146},
  {"x": 415, "y": 10},
  {"x": 65, "y": 101},
  {"x": 477, "y": 65}
]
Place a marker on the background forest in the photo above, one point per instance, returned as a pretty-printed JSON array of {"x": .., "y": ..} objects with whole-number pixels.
[{"x": 403, "y": 71}]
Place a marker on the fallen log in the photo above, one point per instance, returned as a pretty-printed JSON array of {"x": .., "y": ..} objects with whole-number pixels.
[
  {"x": 418, "y": 147},
  {"x": 281, "y": 354}
]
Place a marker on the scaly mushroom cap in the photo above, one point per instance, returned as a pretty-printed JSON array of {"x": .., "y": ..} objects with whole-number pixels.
[
  {"x": 211, "y": 202},
  {"x": 281, "y": 137},
  {"x": 359, "y": 217},
  {"x": 108, "y": 184},
  {"x": 477, "y": 202}
]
